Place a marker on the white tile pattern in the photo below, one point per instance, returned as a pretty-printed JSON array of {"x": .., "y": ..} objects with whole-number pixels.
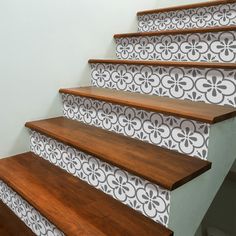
[
  {"x": 220, "y": 15},
  {"x": 205, "y": 47},
  {"x": 141, "y": 195},
  {"x": 30, "y": 216},
  {"x": 182, "y": 135},
  {"x": 215, "y": 86}
]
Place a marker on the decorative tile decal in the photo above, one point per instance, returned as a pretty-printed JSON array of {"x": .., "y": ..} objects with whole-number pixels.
[
  {"x": 141, "y": 195},
  {"x": 220, "y": 15},
  {"x": 214, "y": 86},
  {"x": 207, "y": 47},
  {"x": 185, "y": 136},
  {"x": 30, "y": 216}
]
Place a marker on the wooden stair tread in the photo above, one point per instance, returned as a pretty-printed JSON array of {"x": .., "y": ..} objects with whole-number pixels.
[
  {"x": 166, "y": 63},
  {"x": 166, "y": 168},
  {"x": 71, "y": 204},
  {"x": 200, "y": 111},
  {"x": 178, "y": 31},
  {"x": 10, "y": 224},
  {"x": 185, "y": 7}
]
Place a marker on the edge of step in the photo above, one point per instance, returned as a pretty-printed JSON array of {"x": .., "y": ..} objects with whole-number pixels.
[
  {"x": 199, "y": 111},
  {"x": 177, "y": 31},
  {"x": 71, "y": 204},
  {"x": 165, "y": 63},
  {"x": 184, "y": 7},
  {"x": 166, "y": 168}
]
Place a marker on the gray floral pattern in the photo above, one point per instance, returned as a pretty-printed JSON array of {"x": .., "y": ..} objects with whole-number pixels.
[
  {"x": 30, "y": 216},
  {"x": 151, "y": 127},
  {"x": 143, "y": 196},
  {"x": 215, "y": 86},
  {"x": 206, "y": 47},
  {"x": 220, "y": 15}
]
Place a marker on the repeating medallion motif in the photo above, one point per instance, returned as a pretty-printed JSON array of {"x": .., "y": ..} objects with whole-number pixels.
[
  {"x": 204, "y": 47},
  {"x": 221, "y": 15},
  {"x": 182, "y": 135},
  {"x": 215, "y": 86},
  {"x": 143, "y": 196}
]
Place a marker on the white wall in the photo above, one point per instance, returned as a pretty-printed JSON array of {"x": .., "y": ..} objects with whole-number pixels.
[{"x": 45, "y": 45}]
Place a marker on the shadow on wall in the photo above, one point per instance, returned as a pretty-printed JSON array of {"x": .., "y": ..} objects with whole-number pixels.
[
  {"x": 220, "y": 219},
  {"x": 234, "y": 167}
]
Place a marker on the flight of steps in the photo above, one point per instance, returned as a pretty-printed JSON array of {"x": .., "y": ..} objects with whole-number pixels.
[{"x": 145, "y": 148}]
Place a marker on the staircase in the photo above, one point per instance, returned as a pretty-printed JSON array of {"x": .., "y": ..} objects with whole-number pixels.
[{"x": 145, "y": 148}]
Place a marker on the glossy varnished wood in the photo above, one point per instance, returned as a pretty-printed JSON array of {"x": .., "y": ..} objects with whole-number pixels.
[
  {"x": 167, "y": 63},
  {"x": 10, "y": 224},
  {"x": 185, "y": 7},
  {"x": 200, "y": 111},
  {"x": 178, "y": 31},
  {"x": 72, "y": 205},
  {"x": 166, "y": 168}
]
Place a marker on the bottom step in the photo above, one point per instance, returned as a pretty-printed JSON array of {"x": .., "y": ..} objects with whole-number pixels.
[
  {"x": 10, "y": 224},
  {"x": 39, "y": 225},
  {"x": 71, "y": 204}
]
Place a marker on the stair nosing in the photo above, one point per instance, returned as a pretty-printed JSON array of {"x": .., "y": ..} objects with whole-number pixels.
[
  {"x": 210, "y": 119},
  {"x": 177, "y": 31},
  {"x": 165, "y": 63},
  {"x": 184, "y": 7}
]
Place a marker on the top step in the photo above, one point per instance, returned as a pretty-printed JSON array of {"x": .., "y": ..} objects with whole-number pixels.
[
  {"x": 185, "y": 7},
  {"x": 200, "y": 15},
  {"x": 69, "y": 203},
  {"x": 199, "y": 111}
]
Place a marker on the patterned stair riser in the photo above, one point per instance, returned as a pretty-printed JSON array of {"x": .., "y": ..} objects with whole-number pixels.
[
  {"x": 30, "y": 216},
  {"x": 207, "y": 47},
  {"x": 183, "y": 135},
  {"x": 141, "y": 195},
  {"x": 216, "y": 86},
  {"x": 220, "y": 15}
]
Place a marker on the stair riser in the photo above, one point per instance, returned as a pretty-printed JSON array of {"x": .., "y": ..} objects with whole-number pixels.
[
  {"x": 182, "y": 135},
  {"x": 30, "y": 216},
  {"x": 105, "y": 177},
  {"x": 220, "y": 15},
  {"x": 206, "y": 47},
  {"x": 196, "y": 84},
  {"x": 199, "y": 194}
]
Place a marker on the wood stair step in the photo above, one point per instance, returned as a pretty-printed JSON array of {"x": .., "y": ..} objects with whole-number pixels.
[
  {"x": 69, "y": 203},
  {"x": 10, "y": 224},
  {"x": 185, "y": 7},
  {"x": 200, "y": 111},
  {"x": 178, "y": 31},
  {"x": 166, "y": 63},
  {"x": 161, "y": 166}
]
